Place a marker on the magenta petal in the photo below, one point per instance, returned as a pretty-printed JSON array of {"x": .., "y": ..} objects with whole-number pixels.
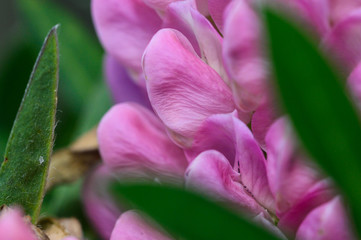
[
  {"x": 131, "y": 226},
  {"x": 341, "y": 8},
  {"x": 211, "y": 174},
  {"x": 131, "y": 136},
  {"x": 289, "y": 173},
  {"x": 318, "y": 194},
  {"x": 125, "y": 27},
  {"x": 14, "y": 227},
  {"x": 121, "y": 85},
  {"x": 216, "y": 10},
  {"x": 182, "y": 89},
  {"x": 101, "y": 211},
  {"x": 183, "y": 17},
  {"x": 345, "y": 39},
  {"x": 230, "y": 136},
  {"x": 159, "y": 5},
  {"x": 354, "y": 84},
  {"x": 327, "y": 222},
  {"x": 242, "y": 55},
  {"x": 262, "y": 120}
]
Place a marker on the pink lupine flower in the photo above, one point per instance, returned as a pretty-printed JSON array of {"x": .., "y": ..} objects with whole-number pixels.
[
  {"x": 204, "y": 83},
  {"x": 182, "y": 89},
  {"x": 121, "y": 85},
  {"x": 14, "y": 227},
  {"x": 134, "y": 145},
  {"x": 131, "y": 226},
  {"x": 125, "y": 28},
  {"x": 296, "y": 183},
  {"x": 233, "y": 168},
  {"x": 326, "y": 222},
  {"x": 130, "y": 135}
]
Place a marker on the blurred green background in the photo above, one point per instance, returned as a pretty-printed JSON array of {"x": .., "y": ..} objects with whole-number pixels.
[{"x": 82, "y": 97}]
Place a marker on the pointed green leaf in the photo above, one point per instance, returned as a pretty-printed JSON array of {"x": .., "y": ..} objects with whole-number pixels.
[
  {"x": 188, "y": 215},
  {"x": 316, "y": 100},
  {"x": 80, "y": 64},
  {"x": 24, "y": 169}
]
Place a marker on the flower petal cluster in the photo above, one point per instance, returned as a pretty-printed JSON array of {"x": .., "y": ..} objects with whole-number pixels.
[{"x": 192, "y": 85}]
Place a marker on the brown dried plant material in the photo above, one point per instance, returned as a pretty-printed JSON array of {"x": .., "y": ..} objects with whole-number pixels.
[
  {"x": 57, "y": 229},
  {"x": 69, "y": 164}
]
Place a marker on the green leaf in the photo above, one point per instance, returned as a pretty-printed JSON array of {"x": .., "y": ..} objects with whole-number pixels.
[
  {"x": 24, "y": 169},
  {"x": 315, "y": 98},
  {"x": 188, "y": 215}
]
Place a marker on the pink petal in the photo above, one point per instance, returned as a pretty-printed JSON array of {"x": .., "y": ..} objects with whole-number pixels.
[
  {"x": 318, "y": 194},
  {"x": 216, "y": 10},
  {"x": 125, "y": 27},
  {"x": 14, "y": 227},
  {"x": 327, "y": 222},
  {"x": 202, "y": 7},
  {"x": 242, "y": 55},
  {"x": 131, "y": 226},
  {"x": 262, "y": 120},
  {"x": 182, "y": 89},
  {"x": 211, "y": 174},
  {"x": 345, "y": 39},
  {"x": 159, "y": 5},
  {"x": 341, "y": 8},
  {"x": 183, "y": 17},
  {"x": 121, "y": 85},
  {"x": 131, "y": 136},
  {"x": 70, "y": 238},
  {"x": 101, "y": 211},
  {"x": 230, "y": 136},
  {"x": 290, "y": 174},
  {"x": 354, "y": 84}
]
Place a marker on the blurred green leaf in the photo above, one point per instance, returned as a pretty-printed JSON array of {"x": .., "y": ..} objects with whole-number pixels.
[
  {"x": 318, "y": 104},
  {"x": 24, "y": 169},
  {"x": 188, "y": 215},
  {"x": 80, "y": 63}
]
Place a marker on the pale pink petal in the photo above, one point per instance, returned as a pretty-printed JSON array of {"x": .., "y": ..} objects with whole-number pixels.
[
  {"x": 159, "y": 5},
  {"x": 354, "y": 84},
  {"x": 183, "y": 17},
  {"x": 262, "y": 120},
  {"x": 182, "y": 89},
  {"x": 211, "y": 174},
  {"x": 101, "y": 211},
  {"x": 131, "y": 136},
  {"x": 327, "y": 222},
  {"x": 345, "y": 39},
  {"x": 242, "y": 55},
  {"x": 125, "y": 27},
  {"x": 230, "y": 136},
  {"x": 341, "y": 8},
  {"x": 318, "y": 194},
  {"x": 131, "y": 226},
  {"x": 122, "y": 86},
  {"x": 216, "y": 10},
  {"x": 290, "y": 174},
  {"x": 70, "y": 238},
  {"x": 14, "y": 227},
  {"x": 202, "y": 6}
]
